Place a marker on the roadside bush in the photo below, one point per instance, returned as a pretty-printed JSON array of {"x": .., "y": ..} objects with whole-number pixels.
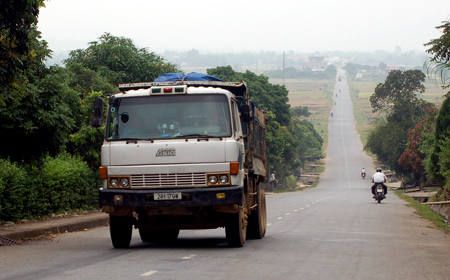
[
  {"x": 68, "y": 183},
  {"x": 13, "y": 183},
  {"x": 291, "y": 182},
  {"x": 60, "y": 184}
]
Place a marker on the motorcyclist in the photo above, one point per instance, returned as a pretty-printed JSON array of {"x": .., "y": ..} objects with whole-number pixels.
[
  {"x": 363, "y": 172},
  {"x": 379, "y": 178}
]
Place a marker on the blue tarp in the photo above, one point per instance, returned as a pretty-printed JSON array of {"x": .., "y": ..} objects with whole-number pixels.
[{"x": 193, "y": 76}]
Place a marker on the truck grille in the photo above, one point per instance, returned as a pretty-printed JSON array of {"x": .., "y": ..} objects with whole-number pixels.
[{"x": 168, "y": 180}]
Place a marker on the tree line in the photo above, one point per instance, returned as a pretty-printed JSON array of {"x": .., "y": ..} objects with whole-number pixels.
[
  {"x": 412, "y": 136},
  {"x": 50, "y": 154}
]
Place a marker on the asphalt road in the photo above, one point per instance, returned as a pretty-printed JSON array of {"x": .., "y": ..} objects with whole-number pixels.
[{"x": 333, "y": 231}]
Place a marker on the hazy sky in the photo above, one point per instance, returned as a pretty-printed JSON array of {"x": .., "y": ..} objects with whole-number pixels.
[{"x": 241, "y": 25}]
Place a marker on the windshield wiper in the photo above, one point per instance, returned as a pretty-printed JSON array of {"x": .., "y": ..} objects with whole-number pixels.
[
  {"x": 198, "y": 135},
  {"x": 135, "y": 139}
]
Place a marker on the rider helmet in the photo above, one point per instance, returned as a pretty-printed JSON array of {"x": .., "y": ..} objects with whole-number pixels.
[{"x": 378, "y": 169}]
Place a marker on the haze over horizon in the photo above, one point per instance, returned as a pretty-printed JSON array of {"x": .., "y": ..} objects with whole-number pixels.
[{"x": 239, "y": 26}]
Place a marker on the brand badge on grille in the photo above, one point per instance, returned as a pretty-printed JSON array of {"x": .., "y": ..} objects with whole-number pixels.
[{"x": 165, "y": 152}]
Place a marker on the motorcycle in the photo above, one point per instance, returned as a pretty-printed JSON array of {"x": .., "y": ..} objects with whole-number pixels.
[
  {"x": 363, "y": 175},
  {"x": 379, "y": 193}
]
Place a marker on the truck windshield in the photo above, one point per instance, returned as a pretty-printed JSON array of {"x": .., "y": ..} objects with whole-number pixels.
[{"x": 169, "y": 116}]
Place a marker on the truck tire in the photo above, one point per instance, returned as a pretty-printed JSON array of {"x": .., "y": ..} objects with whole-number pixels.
[
  {"x": 235, "y": 231},
  {"x": 120, "y": 229},
  {"x": 257, "y": 221}
]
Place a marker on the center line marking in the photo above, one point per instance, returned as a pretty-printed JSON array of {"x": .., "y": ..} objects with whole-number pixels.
[
  {"x": 187, "y": 258},
  {"x": 149, "y": 273}
]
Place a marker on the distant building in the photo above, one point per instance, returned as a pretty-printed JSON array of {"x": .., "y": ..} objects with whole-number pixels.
[{"x": 316, "y": 63}]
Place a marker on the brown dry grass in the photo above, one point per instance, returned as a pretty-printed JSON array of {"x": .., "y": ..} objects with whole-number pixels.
[{"x": 316, "y": 95}]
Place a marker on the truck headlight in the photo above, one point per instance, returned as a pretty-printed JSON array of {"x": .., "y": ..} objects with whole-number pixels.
[
  {"x": 223, "y": 179},
  {"x": 114, "y": 182},
  {"x": 124, "y": 182},
  {"x": 212, "y": 179},
  {"x": 119, "y": 182},
  {"x": 218, "y": 179}
]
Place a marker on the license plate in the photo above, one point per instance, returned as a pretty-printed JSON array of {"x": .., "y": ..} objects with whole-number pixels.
[
  {"x": 168, "y": 196},
  {"x": 379, "y": 190}
]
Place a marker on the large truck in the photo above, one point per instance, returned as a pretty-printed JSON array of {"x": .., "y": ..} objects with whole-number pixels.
[{"x": 183, "y": 152}]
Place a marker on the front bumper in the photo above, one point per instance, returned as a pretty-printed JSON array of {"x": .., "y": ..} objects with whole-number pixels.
[{"x": 190, "y": 197}]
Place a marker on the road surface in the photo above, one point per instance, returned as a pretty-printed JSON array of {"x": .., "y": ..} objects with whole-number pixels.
[{"x": 333, "y": 231}]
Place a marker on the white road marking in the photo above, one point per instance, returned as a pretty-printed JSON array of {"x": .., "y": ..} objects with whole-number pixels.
[
  {"x": 269, "y": 224},
  {"x": 188, "y": 258},
  {"x": 279, "y": 218},
  {"x": 287, "y": 214},
  {"x": 149, "y": 273}
]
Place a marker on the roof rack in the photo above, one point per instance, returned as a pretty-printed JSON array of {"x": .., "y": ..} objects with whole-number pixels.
[{"x": 237, "y": 88}]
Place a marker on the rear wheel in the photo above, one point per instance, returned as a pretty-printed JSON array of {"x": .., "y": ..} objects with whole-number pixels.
[
  {"x": 257, "y": 221},
  {"x": 121, "y": 229},
  {"x": 235, "y": 229}
]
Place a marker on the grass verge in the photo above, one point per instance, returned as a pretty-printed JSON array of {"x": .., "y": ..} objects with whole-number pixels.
[{"x": 425, "y": 212}]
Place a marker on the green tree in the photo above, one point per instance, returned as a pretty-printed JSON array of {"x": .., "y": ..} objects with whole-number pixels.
[
  {"x": 300, "y": 111},
  {"x": 439, "y": 159},
  {"x": 440, "y": 49},
  {"x": 388, "y": 141},
  {"x": 420, "y": 140},
  {"x": 308, "y": 139},
  {"x": 18, "y": 19},
  {"x": 397, "y": 99},
  {"x": 398, "y": 86},
  {"x": 38, "y": 113},
  {"x": 118, "y": 60}
]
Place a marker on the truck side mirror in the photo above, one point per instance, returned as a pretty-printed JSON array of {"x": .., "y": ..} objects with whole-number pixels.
[
  {"x": 245, "y": 113},
  {"x": 97, "y": 121}
]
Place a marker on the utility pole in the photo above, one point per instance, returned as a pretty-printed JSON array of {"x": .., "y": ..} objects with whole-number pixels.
[{"x": 283, "y": 67}]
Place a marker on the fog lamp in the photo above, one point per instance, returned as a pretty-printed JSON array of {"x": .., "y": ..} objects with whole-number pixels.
[{"x": 220, "y": 195}]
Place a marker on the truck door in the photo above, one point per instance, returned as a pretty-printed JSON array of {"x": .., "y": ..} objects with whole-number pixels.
[{"x": 237, "y": 133}]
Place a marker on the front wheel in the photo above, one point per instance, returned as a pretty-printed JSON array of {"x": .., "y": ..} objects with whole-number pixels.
[
  {"x": 120, "y": 229},
  {"x": 235, "y": 229}
]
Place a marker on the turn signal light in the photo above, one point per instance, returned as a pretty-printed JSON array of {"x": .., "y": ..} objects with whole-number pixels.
[
  {"x": 234, "y": 168},
  {"x": 103, "y": 172}
]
